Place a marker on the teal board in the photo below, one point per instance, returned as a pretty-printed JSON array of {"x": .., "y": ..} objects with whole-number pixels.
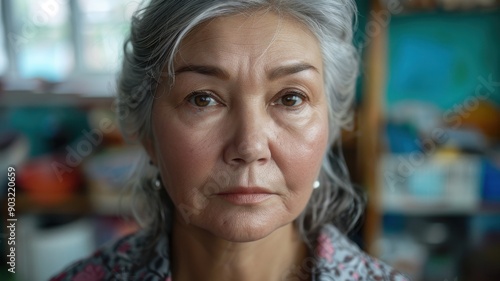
[{"x": 440, "y": 57}]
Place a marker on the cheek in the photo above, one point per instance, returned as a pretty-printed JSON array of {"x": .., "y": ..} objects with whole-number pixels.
[
  {"x": 303, "y": 149},
  {"x": 185, "y": 158},
  {"x": 302, "y": 152}
]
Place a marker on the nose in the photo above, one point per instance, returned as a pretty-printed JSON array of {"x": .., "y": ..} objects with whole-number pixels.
[{"x": 249, "y": 139}]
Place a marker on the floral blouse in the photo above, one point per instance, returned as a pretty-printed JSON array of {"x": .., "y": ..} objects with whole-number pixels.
[{"x": 336, "y": 258}]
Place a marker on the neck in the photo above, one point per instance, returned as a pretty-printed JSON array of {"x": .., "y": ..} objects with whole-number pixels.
[{"x": 199, "y": 255}]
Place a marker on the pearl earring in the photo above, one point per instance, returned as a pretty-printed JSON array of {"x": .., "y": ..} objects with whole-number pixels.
[
  {"x": 316, "y": 184},
  {"x": 157, "y": 183}
]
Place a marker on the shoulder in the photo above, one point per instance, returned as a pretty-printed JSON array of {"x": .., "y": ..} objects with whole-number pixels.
[
  {"x": 339, "y": 257},
  {"x": 114, "y": 261}
]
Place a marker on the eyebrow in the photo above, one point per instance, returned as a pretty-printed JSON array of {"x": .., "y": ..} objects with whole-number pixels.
[
  {"x": 205, "y": 70},
  {"x": 222, "y": 74},
  {"x": 290, "y": 69}
]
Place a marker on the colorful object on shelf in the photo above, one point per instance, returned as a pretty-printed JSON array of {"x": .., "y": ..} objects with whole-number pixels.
[
  {"x": 43, "y": 185},
  {"x": 48, "y": 128},
  {"x": 401, "y": 138},
  {"x": 107, "y": 176},
  {"x": 491, "y": 181},
  {"x": 439, "y": 183},
  {"x": 428, "y": 183},
  {"x": 484, "y": 116}
]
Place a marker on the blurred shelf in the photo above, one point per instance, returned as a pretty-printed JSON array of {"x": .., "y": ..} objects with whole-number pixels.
[
  {"x": 412, "y": 188},
  {"x": 79, "y": 204},
  {"x": 76, "y": 204},
  {"x": 408, "y": 207},
  {"x": 111, "y": 204},
  {"x": 26, "y": 98}
]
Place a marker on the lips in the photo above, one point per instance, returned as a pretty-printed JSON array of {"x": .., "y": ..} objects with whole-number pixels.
[
  {"x": 245, "y": 190},
  {"x": 245, "y": 195}
]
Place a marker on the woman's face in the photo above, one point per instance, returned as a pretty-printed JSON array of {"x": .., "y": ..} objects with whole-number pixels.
[{"x": 240, "y": 136}]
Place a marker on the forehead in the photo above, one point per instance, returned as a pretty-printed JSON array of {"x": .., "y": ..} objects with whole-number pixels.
[{"x": 259, "y": 34}]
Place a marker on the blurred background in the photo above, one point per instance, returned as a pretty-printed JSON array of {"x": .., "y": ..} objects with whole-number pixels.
[{"x": 425, "y": 147}]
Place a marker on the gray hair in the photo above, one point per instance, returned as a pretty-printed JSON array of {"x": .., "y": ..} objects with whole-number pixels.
[{"x": 156, "y": 33}]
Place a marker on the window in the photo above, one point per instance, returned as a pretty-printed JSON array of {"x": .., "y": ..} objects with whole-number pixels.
[
  {"x": 3, "y": 52},
  {"x": 40, "y": 39},
  {"x": 58, "y": 40},
  {"x": 104, "y": 25}
]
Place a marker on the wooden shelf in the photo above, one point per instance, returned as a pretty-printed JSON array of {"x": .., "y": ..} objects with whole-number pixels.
[
  {"x": 76, "y": 205},
  {"x": 371, "y": 123}
]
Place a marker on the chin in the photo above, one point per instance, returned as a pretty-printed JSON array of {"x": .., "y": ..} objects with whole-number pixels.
[{"x": 243, "y": 227}]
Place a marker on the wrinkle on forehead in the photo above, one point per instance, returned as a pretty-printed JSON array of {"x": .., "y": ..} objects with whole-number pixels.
[{"x": 241, "y": 29}]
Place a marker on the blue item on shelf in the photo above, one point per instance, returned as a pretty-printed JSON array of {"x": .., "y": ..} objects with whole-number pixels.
[
  {"x": 428, "y": 183},
  {"x": 491, "y": 181},
  {"x": 401, "y": 138}
]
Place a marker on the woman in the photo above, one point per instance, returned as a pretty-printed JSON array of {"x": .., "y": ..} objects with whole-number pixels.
[{"x": 243, "y": 101}]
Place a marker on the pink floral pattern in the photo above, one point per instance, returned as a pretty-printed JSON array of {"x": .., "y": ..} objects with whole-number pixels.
[
  {"x": 324, "y": 247},
  {"x": 125, "y": 247},
  {"x": 340, "y": 259}
]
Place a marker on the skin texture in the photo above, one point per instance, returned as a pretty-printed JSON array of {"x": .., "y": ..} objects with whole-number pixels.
[{"x": 246, "y": 118}]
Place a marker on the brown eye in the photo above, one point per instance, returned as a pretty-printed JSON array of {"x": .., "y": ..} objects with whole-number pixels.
[
  {"x": 291, "y": 100},
  {"x": 202, "y": 100}
]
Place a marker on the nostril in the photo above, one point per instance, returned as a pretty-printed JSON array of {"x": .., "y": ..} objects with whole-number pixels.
[
  {"x": 238, "y": 161},
  {"x": 262, "y": 160},
  {"x": 243, "y": 161}
]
